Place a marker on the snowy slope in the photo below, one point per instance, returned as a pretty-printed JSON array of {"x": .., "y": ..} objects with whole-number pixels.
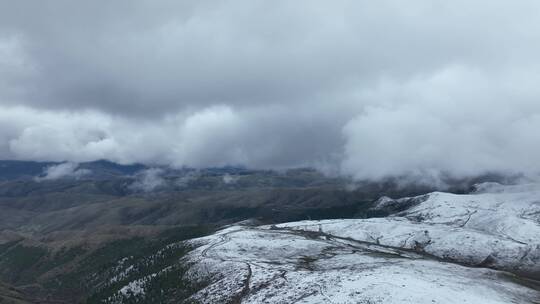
[
  {"x": 498, "y": 229},
  {"x": 439, "y": 250}
]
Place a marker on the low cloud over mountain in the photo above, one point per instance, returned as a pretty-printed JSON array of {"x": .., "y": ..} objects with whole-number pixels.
[{"x": 355, "y": 87}]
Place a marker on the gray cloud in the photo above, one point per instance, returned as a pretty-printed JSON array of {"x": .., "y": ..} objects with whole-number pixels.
[{"x": 356, "y": 87}]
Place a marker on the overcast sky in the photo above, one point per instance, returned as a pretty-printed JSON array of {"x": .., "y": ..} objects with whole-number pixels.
[{"x": 366, "y": 88}]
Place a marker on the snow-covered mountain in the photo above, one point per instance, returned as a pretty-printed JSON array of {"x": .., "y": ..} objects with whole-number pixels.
[{"x": 436, "y": 248}]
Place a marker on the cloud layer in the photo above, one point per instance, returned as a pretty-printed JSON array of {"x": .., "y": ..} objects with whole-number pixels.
[{"x": 368, "y": 89}]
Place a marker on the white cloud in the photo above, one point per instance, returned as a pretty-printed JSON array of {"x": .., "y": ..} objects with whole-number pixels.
[
  {"x": 213, "y": 136},
  {"x": 148, "y": 180},
  {"x": 64, "y": 170},
  {"x": 229, "y": 179},
  {"x": 457, "y": 121}
]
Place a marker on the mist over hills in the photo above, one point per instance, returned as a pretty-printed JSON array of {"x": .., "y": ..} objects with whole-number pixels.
[
  {"x": 46, "y": 197},
  {"x": 57, "y": 219}
]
